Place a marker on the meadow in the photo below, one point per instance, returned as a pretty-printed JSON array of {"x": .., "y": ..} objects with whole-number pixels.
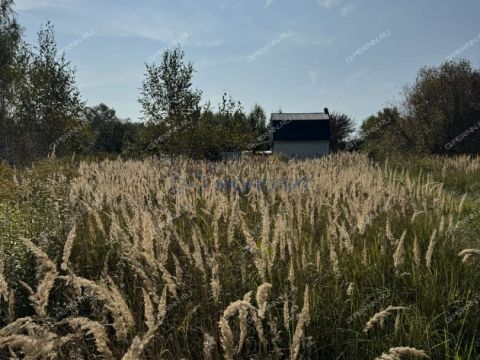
[{"x": 332, "y": 258}]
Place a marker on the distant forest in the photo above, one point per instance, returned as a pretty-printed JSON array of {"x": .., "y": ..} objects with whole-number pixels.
[{"x": 42, "y": 112}]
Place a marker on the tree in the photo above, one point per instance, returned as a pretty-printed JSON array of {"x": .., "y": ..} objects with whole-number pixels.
[
  {"x": 136, "y": 138},
  {"x": 236, "y": 129},
  {"x": 258, "y": 119},
  {"x": 383, "y": 134},
  {"x": 440, "y": 115},
  {"x": 169, "y": 101},
  {"x": 442, "y": 104},
  {"x": 50, "y": 105},
  {"x": 341, "y": 127},
  {"x": 10, "y": 44},
  {"x": 167, "y": 93},
  {"x": 108, "y": 129}
]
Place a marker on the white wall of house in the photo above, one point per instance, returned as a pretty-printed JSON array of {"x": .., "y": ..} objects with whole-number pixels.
[{"x": 302, "y": 149}]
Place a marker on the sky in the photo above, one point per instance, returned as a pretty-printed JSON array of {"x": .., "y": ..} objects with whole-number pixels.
[{"x": 351, "y": 56}]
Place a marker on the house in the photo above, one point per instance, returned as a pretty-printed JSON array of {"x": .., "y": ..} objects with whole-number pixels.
[{"x": 301, "y": 135}]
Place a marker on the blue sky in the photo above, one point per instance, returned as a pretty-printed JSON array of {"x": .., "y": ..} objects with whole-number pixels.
[{"x": 295, "y": 55}]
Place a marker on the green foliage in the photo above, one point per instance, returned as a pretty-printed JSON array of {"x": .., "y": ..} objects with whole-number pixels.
[
  {"x": 180, "y": 127},
  {"x": 341, "y": 127},
  {"x": 382, "y": 134},
  {"x": 440, "y": 115},
  {"x": 33, "y": 204},
  {"x": 258, "y": 119},
  {"x": 46, "y": 104},
  {"x": 51, "y": 103},
  {"x": 108, "y": 130},
  {"x": 442, "y": 103},
  {"x": 167, "y": 93},
  {"x": 235, "y": 128},
  {"x": 10, "y": 43},
  {"x": 209, "y": 134}
]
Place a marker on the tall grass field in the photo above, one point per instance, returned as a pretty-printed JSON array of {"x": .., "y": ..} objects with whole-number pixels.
[{"x": 333, "y": 258}]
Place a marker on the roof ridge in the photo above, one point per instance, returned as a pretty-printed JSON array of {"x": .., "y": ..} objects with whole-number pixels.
[{"x": 300, "y": 116}]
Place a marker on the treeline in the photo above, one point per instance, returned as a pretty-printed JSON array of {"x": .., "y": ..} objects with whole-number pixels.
[
  {"x": 439, "y": 114},
  {"x": 42, "y": 113}
]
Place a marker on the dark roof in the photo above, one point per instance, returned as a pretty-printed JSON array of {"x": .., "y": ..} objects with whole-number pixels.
[
  {"x": 300, "y": 127},
  {"x": 300, "y": 116}
]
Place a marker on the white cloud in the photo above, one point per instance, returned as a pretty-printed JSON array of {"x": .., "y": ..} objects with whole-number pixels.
[
  {"x": 161, "y": 28},
  {"x": 167, "y": 30},
  {"x": 329, "y": 4},
  {"x": 28, "y": 5},
  {"x": 142, "y": 30}
]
